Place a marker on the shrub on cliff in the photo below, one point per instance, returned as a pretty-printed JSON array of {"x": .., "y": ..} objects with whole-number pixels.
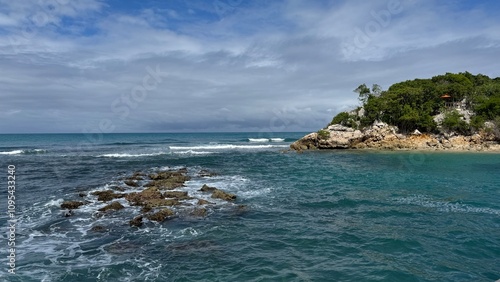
[
  {"x": 453, "y": 121},
  {"x": 323, "y": 134},
  {"x": 345, "y": 119}
]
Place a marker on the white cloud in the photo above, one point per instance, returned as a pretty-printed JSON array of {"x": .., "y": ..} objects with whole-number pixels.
[{"x": 275, "y": 66}]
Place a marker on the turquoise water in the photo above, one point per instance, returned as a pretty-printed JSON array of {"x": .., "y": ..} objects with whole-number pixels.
[{"x": 316, "y": 216}]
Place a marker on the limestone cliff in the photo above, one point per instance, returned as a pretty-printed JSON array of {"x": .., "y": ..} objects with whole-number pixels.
[{"x": 383, "y": 136}]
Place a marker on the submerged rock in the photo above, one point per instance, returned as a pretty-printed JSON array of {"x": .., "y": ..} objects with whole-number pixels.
[
  {"x": 98, "y": 228},
  {"x": 137, "y": 176},
  {"x": 132, "y": 183},
  {"x": 206, "y": 173},
  {"x": 113, "y": 206},
  {"x": 201, "y": 212},
  {"x": 136, "y": 221},
  {"x": 204, "y": 202},
  {"x": 162, "y": 215},
  {"x": 71, "y": 205}
]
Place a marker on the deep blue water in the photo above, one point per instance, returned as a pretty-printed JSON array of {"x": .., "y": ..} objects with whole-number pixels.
[{"x": 316, "y": 216}]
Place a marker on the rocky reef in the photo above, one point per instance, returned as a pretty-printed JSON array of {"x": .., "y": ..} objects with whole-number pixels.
[
  {"x": 156, "y": 197},
  {"x": 386, "y": 137}
]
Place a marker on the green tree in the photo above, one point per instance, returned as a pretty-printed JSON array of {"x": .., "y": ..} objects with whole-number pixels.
[{"x": 453, "y": 121}]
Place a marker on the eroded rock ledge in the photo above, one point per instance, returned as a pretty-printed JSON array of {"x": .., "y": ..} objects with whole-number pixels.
[{"x": 385, "y": 137}]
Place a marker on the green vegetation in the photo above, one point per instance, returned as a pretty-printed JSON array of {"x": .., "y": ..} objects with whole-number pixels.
[
  {"x": 343, "y": 118},
  {"x": 412, "y": 104},
  {"x": 453, "y": 121},
  {"x": 323, "y": 134}
]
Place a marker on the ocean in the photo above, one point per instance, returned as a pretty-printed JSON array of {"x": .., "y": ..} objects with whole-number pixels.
[{"x": 315, "y": 216}]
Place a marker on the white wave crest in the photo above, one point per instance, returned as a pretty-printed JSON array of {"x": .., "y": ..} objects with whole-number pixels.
[
  {"x": 28, "y": 151},
  {"x": 226, "y": 147},
  {"x": 191, "y": 152},
  {"x": 126, "y": 155},
  {"x": 261, "y": 140},
  {"x": 277, "y": 139},
  {"x": 15, "y": 152}
]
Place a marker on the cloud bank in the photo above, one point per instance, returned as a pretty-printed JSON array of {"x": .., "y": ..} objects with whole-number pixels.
[{"x": 223, "y": 65}]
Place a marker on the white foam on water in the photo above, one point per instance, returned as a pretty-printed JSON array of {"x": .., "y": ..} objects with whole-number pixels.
[
  {"x": 27, "y": 151},
  {"x": 15, "y": 152},
  {"x": 444, "y": 206},
  {"x": 258, "y": 140},
  {"x": 226, "y": 147},
  {"x": 191, "y": 152},
  {"x": 277, "y": 139},
  {"x": 54, "y": 203},
  {"x": 188, "y": 231},
  {"x": 127, "y": 155}
]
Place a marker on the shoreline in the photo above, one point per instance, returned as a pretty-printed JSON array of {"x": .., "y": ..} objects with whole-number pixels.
[{"x": 384, "y": 137}]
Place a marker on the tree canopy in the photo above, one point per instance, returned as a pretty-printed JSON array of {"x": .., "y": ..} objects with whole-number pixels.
[{"x": 412, "y": 104}]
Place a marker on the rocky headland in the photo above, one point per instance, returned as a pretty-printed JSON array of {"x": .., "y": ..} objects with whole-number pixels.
[{"x": 386, "y": 137}]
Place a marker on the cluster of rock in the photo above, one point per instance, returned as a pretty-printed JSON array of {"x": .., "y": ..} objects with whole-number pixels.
[
  {"x": 383, "y": 136},
  {"x": 155, "y": 197}
]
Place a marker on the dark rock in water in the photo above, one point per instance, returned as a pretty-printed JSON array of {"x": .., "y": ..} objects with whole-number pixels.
[
  {"x": 198, "y": 247},
  {"x": 137, "y": 176},
  {"x": 136, "y": 221},
  {"x": 146, "y": 209},
  {"x": 98, "y": 228},
  {"x": 161, "y": 215},
  {"x": 151, "y": 198},
  {"x": 153, "y": 203},
  {"x": 107, "y": 195},
  {"x": 113, "y": 206},
  {"x": 206, "y": 173},
  {"x": 118, "y": 188},
  {"x": 131, "y": 183},
  {"x": 219, "y": 194},
  {"x": 82, "y": 194},
  {"x": 138, "y": 198},
  {"x": 241, "y": 209},
  {"x": 177, "y": 194},
  {"x": 206, "y": 188},
  {"x": 71, "y": 204},
  {"x": 168, "y": 180},
  {"x": 204, "y": 202},
  {"x": 68, "y": 213},
  {"x": 202, "y": 212},
  {"x": 183, "y": 170}
]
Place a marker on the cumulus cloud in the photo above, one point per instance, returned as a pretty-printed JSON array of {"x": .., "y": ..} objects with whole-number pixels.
[{"x": 69, "y": 66}]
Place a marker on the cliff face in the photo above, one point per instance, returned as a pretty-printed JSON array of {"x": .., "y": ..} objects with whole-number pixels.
[{"x": 383, "y": 136}]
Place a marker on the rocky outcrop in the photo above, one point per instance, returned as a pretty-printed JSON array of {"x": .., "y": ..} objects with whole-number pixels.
[
  {"x": 113, "y": 206},
  {"x": 219, "y": 194},
  {"x": 150, "y": 199},
  {"x": 162, "y": 215},
  {"x": 386, "y": 137}
]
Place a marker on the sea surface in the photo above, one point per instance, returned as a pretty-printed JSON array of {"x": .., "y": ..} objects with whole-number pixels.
[{"x": 316, "y": 216}]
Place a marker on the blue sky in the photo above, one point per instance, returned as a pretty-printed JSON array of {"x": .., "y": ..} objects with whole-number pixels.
[{"x": 223, "y": 65}]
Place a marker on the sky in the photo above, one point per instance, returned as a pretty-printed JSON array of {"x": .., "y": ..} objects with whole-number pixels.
[{"x": 80, "y": 66}]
